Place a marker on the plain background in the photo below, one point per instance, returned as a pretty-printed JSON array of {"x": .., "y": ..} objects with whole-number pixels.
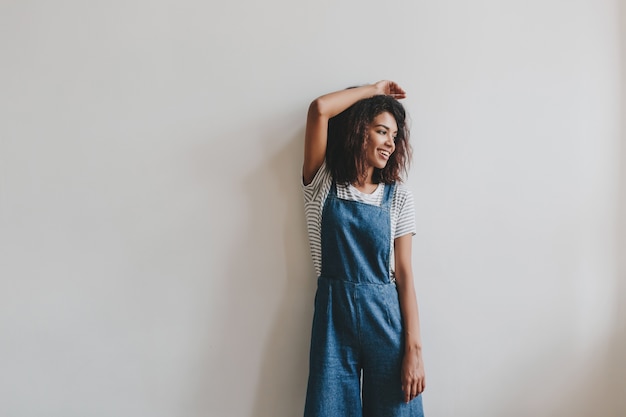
[{"x": 153, "y": 256}]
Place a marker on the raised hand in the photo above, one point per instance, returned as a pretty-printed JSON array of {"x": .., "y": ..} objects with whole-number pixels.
[{"x": 390, "y": 88}]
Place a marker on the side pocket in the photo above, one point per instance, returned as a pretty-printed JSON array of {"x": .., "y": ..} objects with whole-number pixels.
[
  {"x": 392, "y": 308},
  {"x": 323, "y": 296}
]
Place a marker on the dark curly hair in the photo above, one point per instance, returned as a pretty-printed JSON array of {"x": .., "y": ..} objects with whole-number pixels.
[{"x": 347, "y": 133}]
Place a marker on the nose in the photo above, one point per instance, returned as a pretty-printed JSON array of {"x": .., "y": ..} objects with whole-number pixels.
[{"x": 391, "y": 141}]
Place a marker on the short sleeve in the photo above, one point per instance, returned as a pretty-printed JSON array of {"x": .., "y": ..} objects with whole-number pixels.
[
  {"x": 406, "y": 214},
  {"x": 320, "y": 184}
]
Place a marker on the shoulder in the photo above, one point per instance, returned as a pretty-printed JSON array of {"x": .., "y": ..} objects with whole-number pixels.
[
  {"x": 403, "y": 208},
  {"x": 402, "y": 200},
  {"x": 402, "y": 192}
]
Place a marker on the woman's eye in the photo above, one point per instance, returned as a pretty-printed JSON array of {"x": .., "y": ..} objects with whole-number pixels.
[{"x": 382, "y": 132}]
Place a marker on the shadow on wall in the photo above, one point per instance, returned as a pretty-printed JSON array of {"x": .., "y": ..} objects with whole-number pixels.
[
  {"x": 264, "y": 339},
  {"x": 256, "y": 360},
  {"x": 281, "y": 385}
]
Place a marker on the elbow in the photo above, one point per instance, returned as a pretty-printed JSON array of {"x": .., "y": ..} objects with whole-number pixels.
[{"x": 317, "y": 108}]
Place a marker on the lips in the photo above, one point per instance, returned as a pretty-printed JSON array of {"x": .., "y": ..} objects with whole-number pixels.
[{"x": 384, "y": 153}]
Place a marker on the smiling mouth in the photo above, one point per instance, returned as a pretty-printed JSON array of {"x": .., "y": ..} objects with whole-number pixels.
[{"x": 384, "y": 153}]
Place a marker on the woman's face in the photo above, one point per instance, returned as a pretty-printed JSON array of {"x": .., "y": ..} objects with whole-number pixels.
[{"x": 380, "y": 141}]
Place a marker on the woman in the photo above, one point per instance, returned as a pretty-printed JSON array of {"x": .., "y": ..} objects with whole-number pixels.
[{"x": 366, "y": 351}]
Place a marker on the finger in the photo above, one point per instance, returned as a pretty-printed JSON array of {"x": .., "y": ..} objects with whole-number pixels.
[
  {"x": 414, "y": 390},
  {"x": 397, "y": 88},
  {"x": 408, "y": 392}
]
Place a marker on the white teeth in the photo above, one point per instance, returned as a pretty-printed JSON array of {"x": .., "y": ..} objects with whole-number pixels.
[{"x": 384, "y": 153}]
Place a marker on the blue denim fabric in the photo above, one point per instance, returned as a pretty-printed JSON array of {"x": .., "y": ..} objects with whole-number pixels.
[{"x": 356, "y": 343}]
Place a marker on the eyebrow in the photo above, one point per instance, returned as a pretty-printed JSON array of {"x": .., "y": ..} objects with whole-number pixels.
[{"x": 386, "y": 127}]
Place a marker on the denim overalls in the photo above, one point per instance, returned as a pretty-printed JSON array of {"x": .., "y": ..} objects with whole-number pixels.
[{"x": 357, "y": 323}]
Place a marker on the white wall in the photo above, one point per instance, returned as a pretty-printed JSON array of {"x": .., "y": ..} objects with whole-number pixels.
[{"x": 153, "y": 258}]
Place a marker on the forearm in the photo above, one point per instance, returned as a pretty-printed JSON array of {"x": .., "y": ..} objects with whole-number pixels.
[
  {"x": 409, "y": 311},
  {"x": 330, "y": 105},
  {"x": 412, "y": 378}
]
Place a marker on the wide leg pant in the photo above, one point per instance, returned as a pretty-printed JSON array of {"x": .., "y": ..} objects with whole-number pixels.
[{"x": 356, "y": 353}]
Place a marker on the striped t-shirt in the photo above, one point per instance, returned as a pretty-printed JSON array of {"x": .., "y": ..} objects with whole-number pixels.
[{"x": 315, "y": 193}]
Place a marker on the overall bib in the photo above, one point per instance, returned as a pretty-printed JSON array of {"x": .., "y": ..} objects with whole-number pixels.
[{"x": 357, "y": 325}]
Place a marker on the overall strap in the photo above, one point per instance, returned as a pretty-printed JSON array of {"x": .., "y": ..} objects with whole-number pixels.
[{"x": 388, "y": 195}]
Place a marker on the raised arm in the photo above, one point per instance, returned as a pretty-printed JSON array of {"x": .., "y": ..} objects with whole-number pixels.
[{"x": 330, "y": 105}]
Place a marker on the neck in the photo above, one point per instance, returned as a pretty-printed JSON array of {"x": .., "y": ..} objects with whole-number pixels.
[{"x": 366, "y": 178}]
